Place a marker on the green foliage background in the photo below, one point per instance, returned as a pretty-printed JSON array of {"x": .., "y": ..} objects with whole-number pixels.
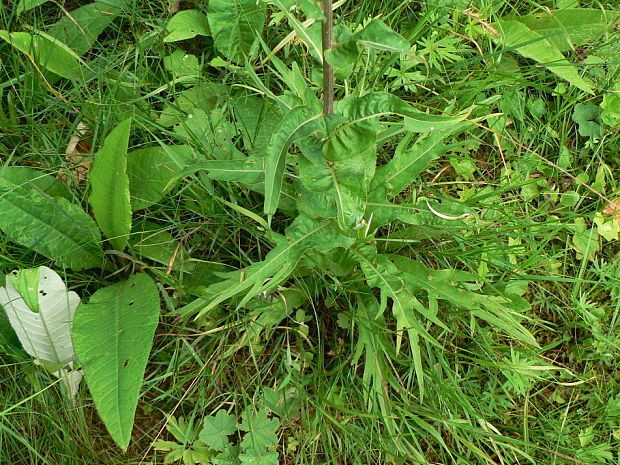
[{"x": 429, "y": 275}]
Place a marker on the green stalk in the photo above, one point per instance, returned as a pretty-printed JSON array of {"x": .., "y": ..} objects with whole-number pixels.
[{"x": 328, "y": 71}]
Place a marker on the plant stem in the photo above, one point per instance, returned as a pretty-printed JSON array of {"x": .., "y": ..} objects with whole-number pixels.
[{"x": 328, "y": 71}]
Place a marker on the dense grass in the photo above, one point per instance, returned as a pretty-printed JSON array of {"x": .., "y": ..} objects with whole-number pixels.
[{"x": 532, "y": 179}]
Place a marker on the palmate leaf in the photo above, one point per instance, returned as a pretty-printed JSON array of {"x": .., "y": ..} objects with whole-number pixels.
[
  {"x": 112, "y": 336},
  {"x": 110, "y": 198},
  {"x": 266, "y": 458},
  {"x": 217, "y": 428},
  {"x": 234, "y": 26},
  {"x": 261, "y": 431},
  {"x": 41, "y": 311},
  {"x": 54, "y": 228}
]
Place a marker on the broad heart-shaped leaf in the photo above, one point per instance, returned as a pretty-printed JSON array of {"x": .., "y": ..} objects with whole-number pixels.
[
  {"x": 80, "y": 28},
  {"x": 51, "y": 55},
  {"x": 410, "y": 160},
  {"x": 187, "y": 24},
  {"x": 41, "y": 311},
  {"x": 350, "y": 180},
  {"x": 25, "y": 5},
  {"x": 587, "y": 116},
  {"x": 217, "y": 428},
  {"x": 298, "y": 124},
  {"x": 54, "y": 228},
  {"x": 532, "y": 44},
  {"x": 377, "y": 35},
  {"x": 152, "y": 170},
  {"x": 23, "y": 176},
  {"x": 110, "y": 187},
  {"x": 234, "y": 26},
  {"x": 568, "y": 27},
  {"x": 112, "y": 336}
]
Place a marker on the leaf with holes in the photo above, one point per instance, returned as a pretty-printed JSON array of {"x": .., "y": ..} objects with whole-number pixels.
[
  {"x": 234, "y": 26},
  {"x": 41, "y": 311},
  {"x": 186, "y": 24},
  {"x": 110, "y": 187},
  {"x": 112, "y": 336}
]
